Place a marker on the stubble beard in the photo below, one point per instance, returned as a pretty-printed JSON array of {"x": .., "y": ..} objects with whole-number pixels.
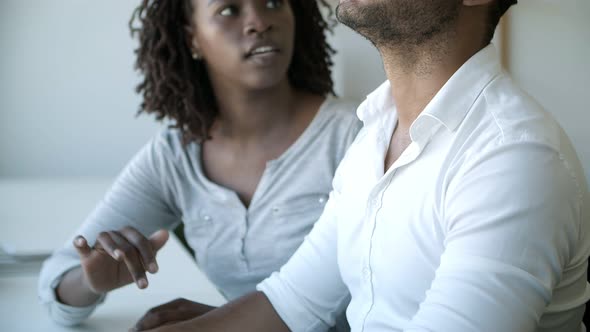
[{"x": 409, "y": 28}]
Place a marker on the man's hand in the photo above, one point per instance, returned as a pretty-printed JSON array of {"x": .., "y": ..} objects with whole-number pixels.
[
  {"x": 171, "y": 312},
  {"x": 250, "y": 313}
]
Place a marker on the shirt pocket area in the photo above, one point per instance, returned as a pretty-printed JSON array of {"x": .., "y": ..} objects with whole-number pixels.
[
  {"x": 199, "y": 232},
  {"x": 294, "y": 219},
  {"x": 302, "y": 205}
]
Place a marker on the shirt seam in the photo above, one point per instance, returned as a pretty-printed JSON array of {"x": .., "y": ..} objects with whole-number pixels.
[
  {"x": 492, "y": 112},
  {"x": 580, "y": 196}
]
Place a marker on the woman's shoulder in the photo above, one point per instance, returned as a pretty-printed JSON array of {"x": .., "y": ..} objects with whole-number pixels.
[
  {"x": 340, "y": 107},
  {"x": 169, "y": 140},
  {"x": 340, "y": 113}
]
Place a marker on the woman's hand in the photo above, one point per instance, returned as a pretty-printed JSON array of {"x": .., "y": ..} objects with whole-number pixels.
[
  {"x": 171, "y": 312},
  {"x": 119, "y": 258}
]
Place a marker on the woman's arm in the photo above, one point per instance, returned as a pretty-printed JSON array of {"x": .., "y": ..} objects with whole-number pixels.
[{"x": 141, "y": 198}]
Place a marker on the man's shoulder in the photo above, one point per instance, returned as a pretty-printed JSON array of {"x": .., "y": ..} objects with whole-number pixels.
[
  {"x": 507, "y": 113},
  {"x": 505, "y": 122}
]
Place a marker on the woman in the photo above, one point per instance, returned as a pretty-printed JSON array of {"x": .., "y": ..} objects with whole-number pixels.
[{"x": 247, "y": 166}]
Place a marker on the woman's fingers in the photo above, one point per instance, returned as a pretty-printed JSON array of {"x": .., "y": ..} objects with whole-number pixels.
[
  {"x": 158, "y": 239},
  {"x": 130, "y": 255},
  {"x": 105, "y": 243},
  {"x": 130, "y": 247},
  {"x": 143, "y": 247},
  {"x": 82, "y": 246}
]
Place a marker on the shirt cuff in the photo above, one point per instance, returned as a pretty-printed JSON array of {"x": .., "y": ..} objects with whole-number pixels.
[
  {"x": 64, "y": 314},
  {"x": 288, "y": 307}
]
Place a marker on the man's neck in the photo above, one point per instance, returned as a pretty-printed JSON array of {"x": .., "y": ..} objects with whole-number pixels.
[{"x": 417, "y": 73}]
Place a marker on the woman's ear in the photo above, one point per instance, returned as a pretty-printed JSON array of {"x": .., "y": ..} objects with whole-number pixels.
[
  {"x": 192, "y": 43},
  {"x": 477, "y": 2}
]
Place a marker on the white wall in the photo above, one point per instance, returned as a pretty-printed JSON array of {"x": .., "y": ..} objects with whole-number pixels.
[
  {"x": 549, "y": 55},
  {"x": 358, "y": 69},
  {"x": 67, "y": 101}
]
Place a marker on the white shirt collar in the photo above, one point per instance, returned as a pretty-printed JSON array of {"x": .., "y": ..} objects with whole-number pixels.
[{"x": 450, "y": 105}]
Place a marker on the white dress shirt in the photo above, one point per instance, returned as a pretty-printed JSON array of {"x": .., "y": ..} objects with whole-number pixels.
[{"x": 482, "y": 224}]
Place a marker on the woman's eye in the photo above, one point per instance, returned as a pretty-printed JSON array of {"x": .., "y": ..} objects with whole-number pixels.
[
  {"x": 228, "y": 11},
  {"x": 273, "y": 4}
]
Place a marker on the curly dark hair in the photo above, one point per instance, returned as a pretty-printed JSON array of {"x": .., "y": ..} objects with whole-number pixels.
[
  {"x": 498, "y": 9},
  {"x": 177, "y": 87}
]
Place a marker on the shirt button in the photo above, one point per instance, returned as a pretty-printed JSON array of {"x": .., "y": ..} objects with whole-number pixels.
[
  {"x": 322, "y": 200},
  {"x": 366, "y": 273},
  {"x": 207, "y": 217},
  {"x": 374, "y": 202}
]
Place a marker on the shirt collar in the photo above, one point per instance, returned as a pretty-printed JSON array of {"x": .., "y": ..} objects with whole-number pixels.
[
  {"x": 378, "y": 101},
  {"x": 451, "y": 104}
]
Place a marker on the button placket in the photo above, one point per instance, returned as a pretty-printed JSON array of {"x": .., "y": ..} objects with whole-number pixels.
[
  {"x": 376, "y": 200},
  {"x": 244, "y": 230},
  {"x": 205, "y": 217}
]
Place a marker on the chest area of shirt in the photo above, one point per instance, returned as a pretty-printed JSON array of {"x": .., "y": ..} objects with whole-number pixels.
[
  {"x": 392, "y": 232},
  {"x": 240, "y": 171},
  {"x": 220, "y": 228}
]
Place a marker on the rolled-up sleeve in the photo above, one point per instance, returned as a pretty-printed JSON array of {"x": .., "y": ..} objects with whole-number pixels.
[
  {"x": 308, "y": 292},
  {"x": 61, "y": 313},
  {"x": 512, "y": 224}
]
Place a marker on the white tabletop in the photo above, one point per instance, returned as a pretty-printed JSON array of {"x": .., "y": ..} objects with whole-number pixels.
[{"x": 29, "y": 211}]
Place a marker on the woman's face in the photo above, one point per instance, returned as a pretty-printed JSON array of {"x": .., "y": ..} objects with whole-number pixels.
[{"x": 248, "y": 42}]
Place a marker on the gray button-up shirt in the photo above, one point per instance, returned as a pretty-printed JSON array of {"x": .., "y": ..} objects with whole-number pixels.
[{"x": 236, "y": 247}]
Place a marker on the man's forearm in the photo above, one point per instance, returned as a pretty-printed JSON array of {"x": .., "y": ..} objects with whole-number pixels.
[{"x": 250, "y": 313}]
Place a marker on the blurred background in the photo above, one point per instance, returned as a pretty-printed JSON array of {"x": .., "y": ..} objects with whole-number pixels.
[
  {"x": 68, "y": 126},
  {"x": 68, "y": 108},
  {"x": 67, "y": 99},
  {"x": 68, "y": 103}
]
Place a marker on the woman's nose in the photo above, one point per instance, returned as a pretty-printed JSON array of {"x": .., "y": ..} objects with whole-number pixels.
[{"x": 256, "y": 22}]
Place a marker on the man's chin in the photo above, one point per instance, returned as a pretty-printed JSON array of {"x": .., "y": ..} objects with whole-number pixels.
[
  {"x": 352, "y": 13},
  {"x": 353, "y": 3},
  {"x": 345, "y": 11},
  {"x": 359, "y": 2}
]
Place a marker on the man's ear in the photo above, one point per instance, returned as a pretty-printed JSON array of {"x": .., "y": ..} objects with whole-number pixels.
[{"x": 477, "y": 2}]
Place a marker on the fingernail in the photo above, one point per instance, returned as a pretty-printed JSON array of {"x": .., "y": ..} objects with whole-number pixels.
[
  {"x": 80, "y": 241},
  {"x": 117, "y": 254},
  {"x": 153, "y": 267},
  {"x": 142, "y": 283}
]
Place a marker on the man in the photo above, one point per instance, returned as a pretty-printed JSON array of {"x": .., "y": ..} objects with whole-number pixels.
[{"x": 460, "y": 207}]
